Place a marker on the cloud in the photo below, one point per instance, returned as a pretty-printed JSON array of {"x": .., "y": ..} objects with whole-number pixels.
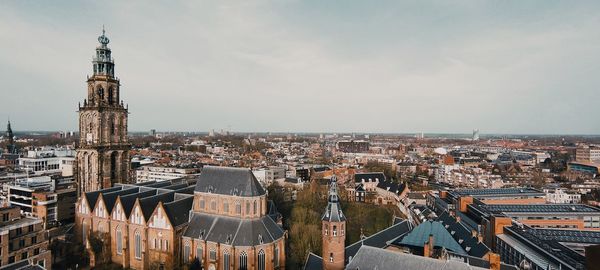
[{"x": 310, "y": 66}]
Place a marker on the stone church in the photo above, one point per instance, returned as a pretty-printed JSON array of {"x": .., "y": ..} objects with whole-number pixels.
[{"x": 103, "y": 152}]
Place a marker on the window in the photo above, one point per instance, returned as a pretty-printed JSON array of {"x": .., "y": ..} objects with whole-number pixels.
[
  {"x": 243, "y": 261},
  {"x": 213, "y": 254},
  {"x": 33, "y": 239},
  {"x": 138, "y": 245},
  {"x": 5, "y": 217},
  {"x": 30, "y": 228},
  {"x": 261, "y": 260},
  {"x": 84, "y": 232},
  {"x": 276, "y": 257},
  {"x": 23, "y": 255},
  {"x": 334, "y": 230},
  {"x": 342, "y": 229},
  {"x": 11, "y": 259},
  {"x": 326, "y": 228},
  {"x": 19, "y": 231},
  {"x": 199, "y": 252},
  {"x": 226, "y": 207},
  {"x": 119, "y": 240},
  {"x": 21, "y": 243},
  {"x": 166, "y": 245},
  {"x": 238, "y": 208},
  {"x": 226, "y": 263},
  {"x": 186, "y": 252},
  {"x": 254, "y": 210},
  {"x": 247, "y": 208},
  {"x": 331, "y": 257},
  {"x": 213, "y": 205},
  {"x": 201, "y": 204},
  {"x": 36, "y": 251}
]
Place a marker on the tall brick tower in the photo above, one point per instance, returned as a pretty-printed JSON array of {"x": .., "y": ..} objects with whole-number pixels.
[
  {"x": 334, "y": 230},
  {"x": 103, "y": 153}
]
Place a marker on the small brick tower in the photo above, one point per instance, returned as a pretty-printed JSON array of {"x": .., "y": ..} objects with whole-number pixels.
[{"x": 334, "y": 230}]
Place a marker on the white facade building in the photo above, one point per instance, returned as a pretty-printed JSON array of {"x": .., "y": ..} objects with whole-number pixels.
[
  {"x": 49, "y": 161},
  {"x": 561, "y": 195},
  {"x": 157, "y": 173}
]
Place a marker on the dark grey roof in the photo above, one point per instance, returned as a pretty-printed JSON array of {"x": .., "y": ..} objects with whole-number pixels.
[
  {"x": 148, "y": 204},
  {"x": 369, "y": 177},
  {"x": 235, "y": 231},
  {"x": 460, "y": 232},
  {"x": 540, "y": 208},
  {"x": 380, "y": 239},
  {"x": 313, "y": 262},
  {"x": 494, "y": 192},
  {"x": 229, "y": 181},
  {"x": 92, "y": 197},
  {"x": 128, "y": 201},
  {"x": 333, "y": 213},
  {"x": 179, "y": 211},
  {"x": 390, "y": 186},
  {"x": 110, "y": 198},
  {"x": 377, "y": 258}
]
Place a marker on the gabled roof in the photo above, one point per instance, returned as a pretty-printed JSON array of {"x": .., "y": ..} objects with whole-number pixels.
[
  {"x": 229, "y": 181},
  {"x": 92, "y": 197},
  {"x": 179, "y": 211},
  {"x": 376, "y": 258},
  {"x": 235, "y": 231},
  {"x": 459, "y": 232},
  {"x": 380, "y": 239},
  {"x": 313, "y": 262},
  {"x": 390, "y": 186},
  {"x": 369, "y": 177},
  {"x": 128, "y": 201},
  {"x": 148, "y": 204},
  {"x": 420, "y": 235},
  {"x": 110, "y": 198}
]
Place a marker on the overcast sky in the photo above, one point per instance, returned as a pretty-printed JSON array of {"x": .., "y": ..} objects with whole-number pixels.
[{"x": 318, "y": 66}]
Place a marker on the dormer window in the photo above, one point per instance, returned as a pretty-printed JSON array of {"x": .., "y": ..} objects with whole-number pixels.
[{"x": 260, "y": 239}]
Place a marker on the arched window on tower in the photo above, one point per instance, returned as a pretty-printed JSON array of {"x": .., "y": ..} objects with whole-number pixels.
[
  {"x": 330, "y": 257},
  {"x": 100, "y": 93},
  {"x": 334, "y": 230},
  {"x": 113, "y": 165},
  {"x": 110, "y": 96}
]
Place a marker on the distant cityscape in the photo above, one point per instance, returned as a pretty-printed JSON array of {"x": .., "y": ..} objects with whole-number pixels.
[{"x": 102, "y": 197}]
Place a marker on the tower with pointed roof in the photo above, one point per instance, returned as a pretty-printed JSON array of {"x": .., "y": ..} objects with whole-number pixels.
[
  {"x": 11, "y": 147},
  {"x": 103, "y": 152},
  {"x": 334, "y": 230}
]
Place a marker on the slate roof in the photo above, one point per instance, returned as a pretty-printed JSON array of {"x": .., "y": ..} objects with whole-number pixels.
[
  {"x": 420, "y": 235},
  {"x": 541, "y": 208},
  {"x": 376, "y": 258},
  {"x": 380, "y": 239},
  {"x": 179, "y": 211},
  {"x": 128, "y": 201},
  {"x": 92, "y": 197},
  {"x": 333, "y": 213},
  {"x": 313, "y": 262},
  {"x": 460, "y": 232},
  {"x": 111, "y": 197},
  {"x": 232, "y": 230},
  {"x": 229, "y": 181},
  {"x": 148, "y": 204},
  {"x": 369, "y": 177},
  {"x": 396, "y": 188}
]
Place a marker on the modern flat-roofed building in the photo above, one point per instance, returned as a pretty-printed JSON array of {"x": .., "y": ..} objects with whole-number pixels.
[
  {"x": 48, "y": 161},
  {"x": 567, "y": 216},
  {"x": 50, "y": 199},
  {"x": 159, "y": 173},
  {"x": 540, "y": 249},
  {"x": 23, "y": 240},
  {"x": 587, "y": 154},
  {"x": 584, "y": 167},
  {"x": 501, "y": 195}
]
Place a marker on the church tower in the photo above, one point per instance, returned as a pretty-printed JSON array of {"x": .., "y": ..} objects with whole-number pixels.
[
  {"x": 11, "y": 147},
  {"x": 103, "y": 152},
  {"x": 334, "y": 230}
]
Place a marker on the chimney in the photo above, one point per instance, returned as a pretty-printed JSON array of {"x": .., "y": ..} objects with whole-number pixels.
[
  {"x": 494, "y": 261},
  {"x": 428, "y": 247},
  {"x": 473, "y": 233}
]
